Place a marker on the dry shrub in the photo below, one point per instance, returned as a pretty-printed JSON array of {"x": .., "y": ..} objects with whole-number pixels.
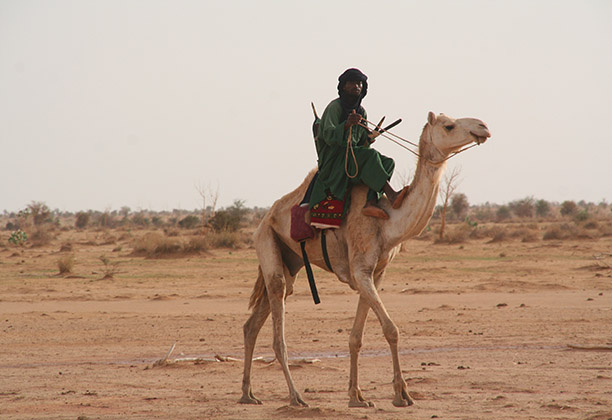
[
  {"x": 605, "y": 229},
  {"x": 66, "y": 264},
  {"x": 500, "y": 235},
  {"x": 225, "y": 239},
  {"x": 566, "y": 231},
  {"x": 530, "y": 235},
  {"x": 42, "y": 235},
  {"x": 197, "y": 244},
  {"x": 591, "y": 224},
  {"x": 582, "y": 233},
  {"x": 426, "y": 235},
  {"x": 154, "y": 244},
  {"x": 108, "y": 239},
  {"x": 480, "y": 233},
  {"x": 66, "y": 247},
  {"x": 457, "y": 235},
  {"x": 157, "y": 245},
  {"x": 172, "y": 232},
  {"x": 557, "y": 232},
  {"x": 109, "y": 268},
  {"x": 125, "y": 237}
]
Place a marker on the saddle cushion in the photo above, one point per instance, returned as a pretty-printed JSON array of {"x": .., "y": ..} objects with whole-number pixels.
[
  {"x": 300, "y": 229},
  {"x": 327, "y": 214}
]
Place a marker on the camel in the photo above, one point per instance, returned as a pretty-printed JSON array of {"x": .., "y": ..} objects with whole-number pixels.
[{"x": 359, "y": 251}]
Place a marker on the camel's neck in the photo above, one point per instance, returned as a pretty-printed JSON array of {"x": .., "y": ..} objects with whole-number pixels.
[{"x": 418, "y": 207}]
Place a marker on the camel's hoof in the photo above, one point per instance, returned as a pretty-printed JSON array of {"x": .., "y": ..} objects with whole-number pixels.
[
  {"x": 361, "y": 404},
  {"x": 249, "y": 400},
  {"x": 297, "y": 401},
  {"x": 404, "y": 401}
]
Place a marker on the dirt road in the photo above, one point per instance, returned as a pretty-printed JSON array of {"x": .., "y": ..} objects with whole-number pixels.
[{"x": 488, "y": 331}]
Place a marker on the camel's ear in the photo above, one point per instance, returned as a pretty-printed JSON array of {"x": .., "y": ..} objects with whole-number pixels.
[{"x": 431, "y": 118}]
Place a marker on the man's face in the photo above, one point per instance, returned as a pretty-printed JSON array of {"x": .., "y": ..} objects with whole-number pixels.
[{"x": 353, "y": 88}]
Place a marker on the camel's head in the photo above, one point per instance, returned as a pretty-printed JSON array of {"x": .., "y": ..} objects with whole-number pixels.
[{"x": 449, "y": 135}]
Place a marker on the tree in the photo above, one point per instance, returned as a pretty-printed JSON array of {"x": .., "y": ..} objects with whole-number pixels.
[
  {"x": 459, "y": 205},
  {"x": 450, "y": 185},
  {"x": 542, "y": 208},
  {"x": 569, "y": 208},
  {"x": 229, "y": 219},
  {"x": 503, "y": 213},
  {"x": 213, "y": 196},
  {"x": 40, "y": 212},
  {"x": 523, "y": 208},
  {"x": 82, "y": 220}
]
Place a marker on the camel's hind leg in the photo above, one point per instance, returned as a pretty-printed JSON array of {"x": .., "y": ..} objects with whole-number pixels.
[
  {"x": 261, "y": 310},
  {"x": 279, "y": 284}
]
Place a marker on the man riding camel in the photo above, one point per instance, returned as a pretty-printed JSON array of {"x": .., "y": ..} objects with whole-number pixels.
[{"x": 339, "y": 167}]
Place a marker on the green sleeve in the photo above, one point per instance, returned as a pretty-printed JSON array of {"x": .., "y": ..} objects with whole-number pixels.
[{"x": 331, "y": 130}]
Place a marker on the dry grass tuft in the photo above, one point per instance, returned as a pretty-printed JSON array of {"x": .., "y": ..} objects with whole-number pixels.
[
  {"x": 110, "y": 268},
  {"x": 66, "y": 264},
  {"x": 66, "y": 247}
]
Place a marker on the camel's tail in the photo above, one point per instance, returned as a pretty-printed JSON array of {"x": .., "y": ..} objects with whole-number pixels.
[{"x": 259, "y": 290}]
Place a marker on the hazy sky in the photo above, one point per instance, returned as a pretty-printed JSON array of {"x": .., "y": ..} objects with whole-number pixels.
[{"x": 105, "y": 104}]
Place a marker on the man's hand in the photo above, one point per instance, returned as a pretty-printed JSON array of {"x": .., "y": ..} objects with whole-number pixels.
[{"x": 353, "y": 119}]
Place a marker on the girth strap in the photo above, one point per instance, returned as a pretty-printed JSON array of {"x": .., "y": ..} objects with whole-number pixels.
[
  {"x": 324, "y": 249},
  {"x": 311, "y": 280}
]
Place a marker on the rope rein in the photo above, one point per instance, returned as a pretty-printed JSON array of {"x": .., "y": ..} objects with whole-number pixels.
[
  {"x": 349, "y": 145},
  {"x": 388, "y": 135}
]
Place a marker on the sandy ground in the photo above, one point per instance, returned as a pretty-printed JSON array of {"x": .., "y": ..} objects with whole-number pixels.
[{"x": 488, "y": 331}]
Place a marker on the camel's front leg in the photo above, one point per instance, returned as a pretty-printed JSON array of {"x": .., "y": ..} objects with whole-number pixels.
[
  {"x": 368, "y": 292},
  {"x": 355, "y": 341}
]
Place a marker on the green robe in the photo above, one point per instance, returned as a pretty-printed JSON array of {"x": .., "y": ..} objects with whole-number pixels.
[{"x": 374, "y": 169}]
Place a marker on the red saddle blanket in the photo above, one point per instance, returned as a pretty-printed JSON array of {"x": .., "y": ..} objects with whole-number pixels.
[{"x": 327, "y": 214}]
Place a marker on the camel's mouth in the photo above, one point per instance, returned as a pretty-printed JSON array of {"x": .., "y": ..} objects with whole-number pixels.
[
  {"x": 480, "y": 133},
  {"x": 480, "y": 139},
  {"x": 480, "y": 136}
]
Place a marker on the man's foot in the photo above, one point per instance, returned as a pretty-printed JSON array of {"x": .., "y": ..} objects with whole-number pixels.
[
  {"x": 374, "y": 211},
  {"x": 399, "y": 198}
]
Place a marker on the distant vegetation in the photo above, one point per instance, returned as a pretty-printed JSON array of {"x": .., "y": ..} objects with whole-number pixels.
[{"x": 183, "y": 232}]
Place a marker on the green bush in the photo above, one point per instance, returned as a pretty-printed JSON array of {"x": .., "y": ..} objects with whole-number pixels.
[
  {"x": 189, "y": 222},
  {"x": 18, "y": 238},
  {"x": 569, "y": 208},
  {"x": 542, "y": 208},
  {"x": 82, "y": 220},
  {"x": 230, "y": 219},
  {"x": 503, "y": 213}
]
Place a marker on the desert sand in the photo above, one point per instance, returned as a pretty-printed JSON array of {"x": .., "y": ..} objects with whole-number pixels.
[{"x": 506, "y": 330}]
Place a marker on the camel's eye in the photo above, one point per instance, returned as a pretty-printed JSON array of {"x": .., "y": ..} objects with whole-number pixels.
[{"x": 449, "y": 127}]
